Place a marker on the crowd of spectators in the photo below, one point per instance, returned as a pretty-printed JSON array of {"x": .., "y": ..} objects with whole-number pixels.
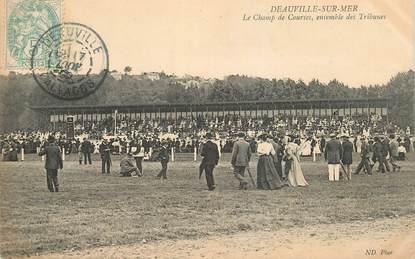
[{"x": 185, "y": 134}]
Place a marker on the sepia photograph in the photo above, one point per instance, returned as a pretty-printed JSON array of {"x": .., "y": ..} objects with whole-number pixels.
[{"x": 207, "y": 129}]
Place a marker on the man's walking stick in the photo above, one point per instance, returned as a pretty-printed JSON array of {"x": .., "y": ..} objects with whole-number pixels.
[
  {"x": 250, "y": 176},
  {"x": 344, "y": 170}
]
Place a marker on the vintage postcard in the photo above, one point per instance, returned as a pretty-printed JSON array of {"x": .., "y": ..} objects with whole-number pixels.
[{"x": 207, "y": 129}]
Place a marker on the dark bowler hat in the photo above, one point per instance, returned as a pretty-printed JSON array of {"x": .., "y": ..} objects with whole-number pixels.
[
  {"x": 51, "y": 138},
  {"x": 241, "y": 135}
]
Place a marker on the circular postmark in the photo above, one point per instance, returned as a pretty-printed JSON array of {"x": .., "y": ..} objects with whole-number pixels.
[{"x": 76, "y": 61}]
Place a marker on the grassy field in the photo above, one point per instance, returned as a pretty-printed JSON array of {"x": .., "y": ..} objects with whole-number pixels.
[{"x": 93, "y": 210}]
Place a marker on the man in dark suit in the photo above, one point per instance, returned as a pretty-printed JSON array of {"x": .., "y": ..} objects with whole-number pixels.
[
  {"x": 202, "y": 166},
  {"x": 322, "y": 144},
  {"x": 210, "y": 154},
  {"x": 379, "y": 154},
  {"x": 86, "y": 148},
  {"x": 347, "y": 157},
  {"x": 163, "y": 156},
  {"x": 53, "y": 162},
  {"x": 365, "y": 153},
  {"x": 105, "y": 152},
  {"x": 386, "y": 151},
  {"x": 332, "y": 154},
  {"x": 277, "y": 158},
  {"x": 241, "y": 154}
]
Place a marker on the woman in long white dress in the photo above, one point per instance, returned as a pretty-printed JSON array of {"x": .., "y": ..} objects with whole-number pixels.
[
  {"x": 295, "y": 175},
  {"x": 317, "y": 149},
  {"x": 306, "y": 147}
]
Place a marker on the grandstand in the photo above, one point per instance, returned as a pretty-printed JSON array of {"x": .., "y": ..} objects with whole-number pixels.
[{"x": 47, "y": 115}]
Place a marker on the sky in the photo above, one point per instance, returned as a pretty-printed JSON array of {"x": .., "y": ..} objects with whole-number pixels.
[{"x": 209, "y": 39}]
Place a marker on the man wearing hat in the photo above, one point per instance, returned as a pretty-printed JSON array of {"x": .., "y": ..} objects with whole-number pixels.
[
  {"x": 241, "y": 154},
  {"x": 332, "y": 154},
  {"x": 365, "y": 154},
  {"x": 347, "y": 158},
  {"x": 378, "y": 154},
  {"x": 128, "y": 167},
  {"x": 53, "y": 162},
  {"x": 322, "y": 143},
  {"x": 163, "y": 156},
  {"x": 393, "y": 151},
  {"x": 210, "y": 154},
  {"x": 105, "y": 153},
  {"x": 277, "y": 158},
  {"x": 386, "y": 151},
  {"x": 87, "y": 148},
  {"x": 202, "y": 166}
]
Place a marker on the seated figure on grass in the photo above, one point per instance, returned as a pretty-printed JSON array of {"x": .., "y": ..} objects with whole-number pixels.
[{"x": 128, "y": 167}]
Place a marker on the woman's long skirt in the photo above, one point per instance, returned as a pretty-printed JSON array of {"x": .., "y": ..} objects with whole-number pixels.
[{"x": 267, "y": 176}]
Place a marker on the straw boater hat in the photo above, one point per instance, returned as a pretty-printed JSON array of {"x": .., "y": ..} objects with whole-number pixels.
[{"x": 263, "y": 136}]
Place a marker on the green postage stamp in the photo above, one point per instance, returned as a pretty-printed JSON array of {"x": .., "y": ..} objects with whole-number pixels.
[{"x": 26, "y": 21}]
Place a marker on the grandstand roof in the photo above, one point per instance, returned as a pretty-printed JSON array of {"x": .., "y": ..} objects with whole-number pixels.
[{"x": 276, "y": 103}]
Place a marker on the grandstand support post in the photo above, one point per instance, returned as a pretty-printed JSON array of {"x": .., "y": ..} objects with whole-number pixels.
[
  {"x": 150, "y": 151},
  {"x": 63, "y": 154},
  {"x": 83, "y": 120},
  {"x": 195, "y": 154},
  {"x": 22, "y": 154},
  {"x": 115, "y": 123},
  {"x": 314, "y": 156},
  {"x": 172, "y": 154}
]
